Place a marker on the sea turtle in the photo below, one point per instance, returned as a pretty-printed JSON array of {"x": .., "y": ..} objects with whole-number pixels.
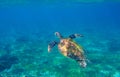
[{"x": 69, "y": 48}]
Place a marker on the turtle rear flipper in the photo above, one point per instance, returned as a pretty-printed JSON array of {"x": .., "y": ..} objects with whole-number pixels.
[
  {"x": 51, "y": 45},
  {"x": 72, "y": 36},
  {"x": 83, "y": 63}
]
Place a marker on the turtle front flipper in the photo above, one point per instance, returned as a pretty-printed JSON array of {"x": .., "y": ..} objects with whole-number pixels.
[
  {"x": 51, "y": 45},
  {"x": 72, "y": 36}
]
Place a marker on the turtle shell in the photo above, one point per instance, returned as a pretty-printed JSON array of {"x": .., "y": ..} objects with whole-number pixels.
[{"x": 71, "y": 49}]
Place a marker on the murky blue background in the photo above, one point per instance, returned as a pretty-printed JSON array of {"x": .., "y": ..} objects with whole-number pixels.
[{"x": 27, "y": 28}]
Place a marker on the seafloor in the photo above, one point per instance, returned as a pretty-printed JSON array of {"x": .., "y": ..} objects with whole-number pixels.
[{"x": 27, "y": 56}]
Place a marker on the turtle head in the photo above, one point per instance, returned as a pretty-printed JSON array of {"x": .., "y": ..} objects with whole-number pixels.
[{"x": 58, "y": 35}]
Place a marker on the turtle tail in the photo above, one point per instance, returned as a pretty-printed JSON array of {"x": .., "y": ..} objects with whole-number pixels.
[{"x": 58, "y": 35}]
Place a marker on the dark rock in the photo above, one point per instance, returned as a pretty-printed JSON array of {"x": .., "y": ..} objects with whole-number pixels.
[
  {"x": 114, "y": 46},
  {"x": 7, "y": 61},
  {"x": 18, "y": 71},
  {"x": 22, "y": 39},
  {"x": 7, "y": 48}
]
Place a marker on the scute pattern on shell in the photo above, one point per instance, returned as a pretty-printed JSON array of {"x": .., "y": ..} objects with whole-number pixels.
[{"x": 71, "y": 49}]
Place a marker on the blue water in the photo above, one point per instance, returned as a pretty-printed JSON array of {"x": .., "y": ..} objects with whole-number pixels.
[{"x": 26, "y": 30}]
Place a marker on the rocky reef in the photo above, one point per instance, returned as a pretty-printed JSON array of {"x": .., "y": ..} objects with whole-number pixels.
[{"x": 26, "y": 57}]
